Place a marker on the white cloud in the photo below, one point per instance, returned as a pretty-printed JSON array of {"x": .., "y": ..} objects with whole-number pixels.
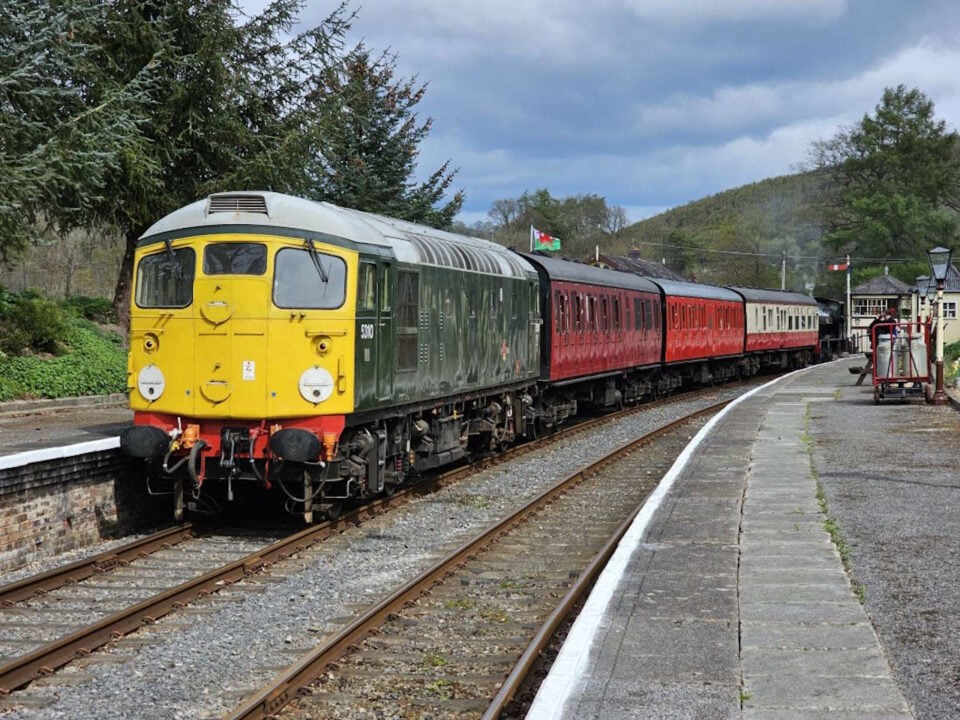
[
  {"x": 685, "y": 11},
  {"x": 732, "y": 108}
]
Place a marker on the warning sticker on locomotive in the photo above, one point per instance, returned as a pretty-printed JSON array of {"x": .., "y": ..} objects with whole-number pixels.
[{"x": 249, "y": 370}]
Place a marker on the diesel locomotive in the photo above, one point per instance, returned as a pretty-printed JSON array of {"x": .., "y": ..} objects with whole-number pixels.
[{"x": 329, "y": 354}]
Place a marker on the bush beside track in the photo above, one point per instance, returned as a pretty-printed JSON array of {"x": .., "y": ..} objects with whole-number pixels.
[{"x": 52, "y": 350}]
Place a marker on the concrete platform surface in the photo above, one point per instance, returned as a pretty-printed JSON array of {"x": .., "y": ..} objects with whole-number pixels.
[
  {"x": 50, "y": 425},
  {"x": 732, "y": 601}
]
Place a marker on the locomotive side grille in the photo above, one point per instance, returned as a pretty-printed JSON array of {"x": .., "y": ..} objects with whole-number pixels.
[{"x": 237, "y": 203}]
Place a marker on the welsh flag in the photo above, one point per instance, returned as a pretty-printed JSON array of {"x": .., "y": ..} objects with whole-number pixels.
[{"x": 540, "y": 240}]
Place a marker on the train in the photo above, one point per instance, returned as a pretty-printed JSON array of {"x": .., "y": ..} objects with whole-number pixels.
[{"x": 327, "y": 354}]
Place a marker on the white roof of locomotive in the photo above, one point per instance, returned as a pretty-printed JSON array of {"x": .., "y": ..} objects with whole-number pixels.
[{"x": 409, "y": 241}]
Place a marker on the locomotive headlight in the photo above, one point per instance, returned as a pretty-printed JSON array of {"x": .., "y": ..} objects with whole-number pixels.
[
  {"x": 316, "y": 384},
  {"x": 151, "y": 383},
  {"x": 323, "y": 344}
]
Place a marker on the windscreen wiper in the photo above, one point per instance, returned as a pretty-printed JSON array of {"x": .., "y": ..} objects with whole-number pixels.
[
  {"x": 315, "y": 256},
  {"x": 172, "y": 259}
]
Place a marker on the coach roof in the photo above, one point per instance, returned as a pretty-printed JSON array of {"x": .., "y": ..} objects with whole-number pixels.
[
  {"x": 673, "y": 288},
  {"x": 781, "y": 297},
  {"x": 570, "y": 271}
]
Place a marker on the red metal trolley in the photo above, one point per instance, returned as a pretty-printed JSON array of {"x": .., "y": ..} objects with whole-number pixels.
[{"x": 901, "y": 360}]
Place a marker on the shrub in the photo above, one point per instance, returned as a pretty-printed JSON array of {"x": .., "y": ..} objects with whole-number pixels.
[
  {"x": 92, "y": 308},
  {"x": 30, "y": 321},
  {"x": 94, "y": 365}
]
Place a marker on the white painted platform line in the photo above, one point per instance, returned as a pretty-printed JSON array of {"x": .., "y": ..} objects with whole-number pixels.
[
  {"x": 57, "y": 453},
  {"x": 566, "y": 676}
]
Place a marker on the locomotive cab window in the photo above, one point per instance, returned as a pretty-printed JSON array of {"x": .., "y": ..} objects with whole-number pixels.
[
  {"x": 309, "y": 280},
  {"x": 235, "y": 259},
  {"x": 165, "y": 279}
]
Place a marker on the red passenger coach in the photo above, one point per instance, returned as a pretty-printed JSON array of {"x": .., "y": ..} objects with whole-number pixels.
[
  {"x": 598, "y": 321},
  {"x": 781, "y": 325},
  {"x": 702, "y": 322}
]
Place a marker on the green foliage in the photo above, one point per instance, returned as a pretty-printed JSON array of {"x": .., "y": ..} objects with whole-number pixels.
[
  {"x": 63, "y": 127},
  {"x": 91, "y": 308},
  {"x": 93, "y": 364},
  {"x": 30, "y": 323},
  {"x": 737, "y": 236},
  {"x": 581, "y": 221},
  {"x": 370, "y": 143},
  {"x": 890, "y": 180}
]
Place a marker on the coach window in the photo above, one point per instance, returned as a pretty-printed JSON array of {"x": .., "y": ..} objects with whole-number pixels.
[
  {"x": 367, "y": 287},
  {"x": 165, "y": 279},
  {"x": 408, "y": 307},
  {"x": 604, "y": 314},
  {"x": 235, "y": 259},
  {"x": 616, "y": 314},
  {"x": 309, "y": 279}
]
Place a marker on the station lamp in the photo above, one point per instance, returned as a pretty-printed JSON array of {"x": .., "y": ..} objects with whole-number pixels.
[
  {"x": 939, "y": 265},
  {"x": 922, "y": 289}
]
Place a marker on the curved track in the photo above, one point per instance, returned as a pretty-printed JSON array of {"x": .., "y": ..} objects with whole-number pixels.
[{"x": 443, "y": 644}]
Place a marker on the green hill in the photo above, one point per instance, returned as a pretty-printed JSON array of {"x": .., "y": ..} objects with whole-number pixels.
[{"x": 738, "y": 236}]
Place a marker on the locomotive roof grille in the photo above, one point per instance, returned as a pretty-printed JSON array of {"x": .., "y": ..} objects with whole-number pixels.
[
  {"x": 449, "y": 254},
  {"x": 230, "y": 203}
]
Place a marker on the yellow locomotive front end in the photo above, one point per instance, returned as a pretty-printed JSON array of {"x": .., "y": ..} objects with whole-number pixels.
[{"x": 241, "y": 354}]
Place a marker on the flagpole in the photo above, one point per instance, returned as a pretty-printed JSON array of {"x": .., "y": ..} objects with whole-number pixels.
[
  {"x": 531, "y": 238},
  {"x": 849, "y": 307}
]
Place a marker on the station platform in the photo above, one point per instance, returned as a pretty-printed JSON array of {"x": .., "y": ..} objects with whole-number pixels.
[
  {"x": 728, "y": 598},
  {"x": 44, "y": 430}
]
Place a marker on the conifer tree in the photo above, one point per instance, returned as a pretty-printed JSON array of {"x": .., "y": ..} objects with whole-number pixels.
[
  {"x": 59, "y": 142},
  {"x": 371, "y": 144},
  {"x": 891, "y": 179}
]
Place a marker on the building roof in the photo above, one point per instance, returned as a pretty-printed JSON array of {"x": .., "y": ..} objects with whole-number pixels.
[
  {"x": 952, "y": 284},
  {"x": 882, "y": 285},
  {"x": 633, "y": 263}
]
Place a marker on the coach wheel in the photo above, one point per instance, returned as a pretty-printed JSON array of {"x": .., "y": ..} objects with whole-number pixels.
[{"x": 876, "y": 396}]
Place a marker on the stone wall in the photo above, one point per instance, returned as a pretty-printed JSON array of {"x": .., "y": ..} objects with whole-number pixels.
[{"x": 56, "y": 505}]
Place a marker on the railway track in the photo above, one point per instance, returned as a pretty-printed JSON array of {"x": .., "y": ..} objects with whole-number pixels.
[
  {"x": 48, "y": 645},
  {"x": 442, "y": 645}
]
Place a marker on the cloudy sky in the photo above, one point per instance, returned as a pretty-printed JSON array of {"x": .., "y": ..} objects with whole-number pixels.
[{"x": 650, "y": 103}]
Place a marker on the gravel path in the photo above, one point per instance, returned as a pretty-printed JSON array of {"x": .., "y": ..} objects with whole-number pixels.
[
  {"x": 258, "y": 624},
  {"x": 892, "y": 482}
]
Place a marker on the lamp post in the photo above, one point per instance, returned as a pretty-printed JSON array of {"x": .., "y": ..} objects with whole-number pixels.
[
  {"x": 939, "y": 264},
  {"x": 923, "y": 286}
]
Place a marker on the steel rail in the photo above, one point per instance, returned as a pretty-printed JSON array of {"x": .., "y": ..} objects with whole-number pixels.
[
  {"x": 51, "y": 656},
  {"x": 296, "y": 678},
  {"x": 82, "y": 569}
]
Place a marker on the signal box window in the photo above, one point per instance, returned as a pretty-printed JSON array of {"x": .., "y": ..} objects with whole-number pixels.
[
  {"x": 235, "y": 259},
  {"x": 408, "y": 308},
  {"x": 165, "y": 279},
  {"x": 311, "y": 283}
]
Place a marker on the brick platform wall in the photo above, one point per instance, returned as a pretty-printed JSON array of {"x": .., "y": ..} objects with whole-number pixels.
[{"x": 57, "y": 505}]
